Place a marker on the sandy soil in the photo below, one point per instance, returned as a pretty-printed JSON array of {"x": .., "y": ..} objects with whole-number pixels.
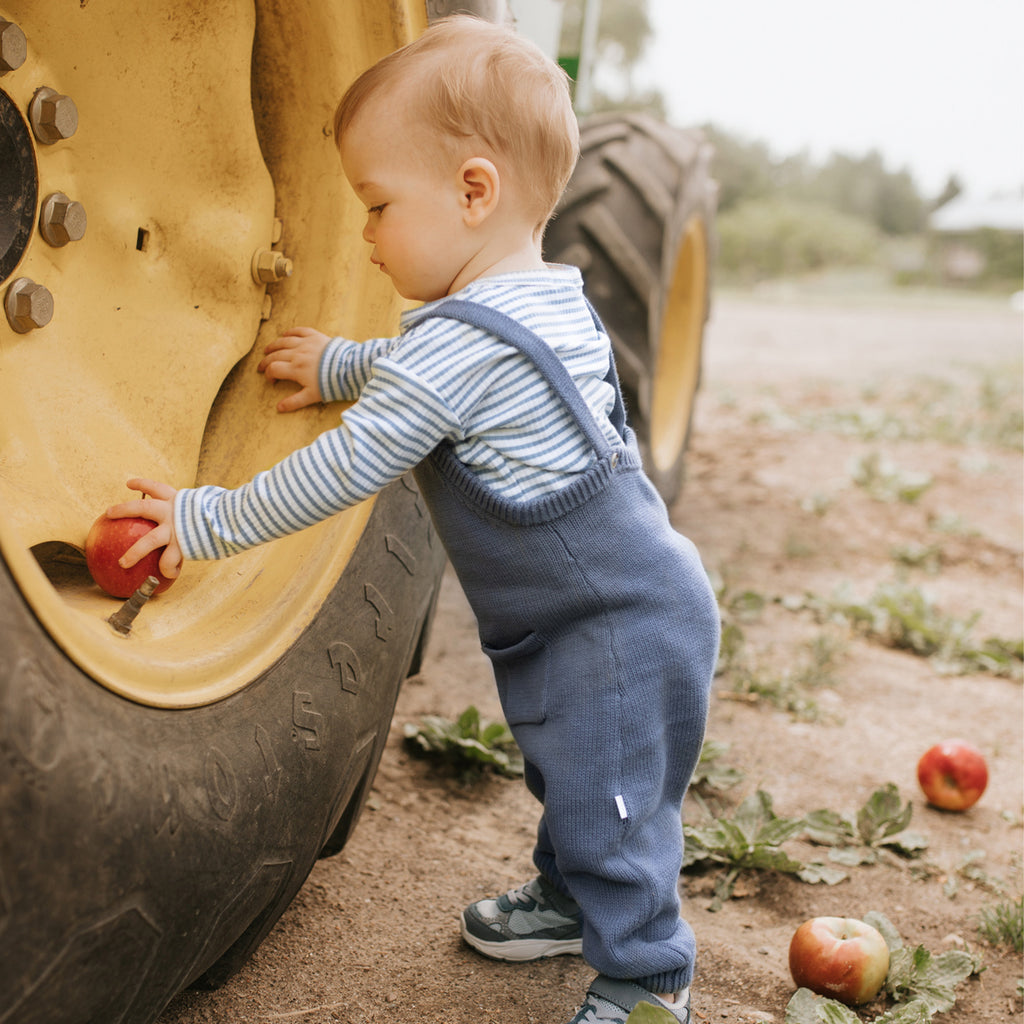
[{"x": 770, "y": 501}]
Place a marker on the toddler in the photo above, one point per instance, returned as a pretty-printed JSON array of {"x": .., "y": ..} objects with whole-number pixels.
[{"x": 500, "y": 394}]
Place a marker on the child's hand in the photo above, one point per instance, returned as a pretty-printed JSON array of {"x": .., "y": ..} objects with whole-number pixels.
[
  {"x": 159, "y": 507},
  {"x": 296, "y": 356}
]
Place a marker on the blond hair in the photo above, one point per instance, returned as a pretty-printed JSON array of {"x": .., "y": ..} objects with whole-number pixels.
[{"x": 472, "y": 81}]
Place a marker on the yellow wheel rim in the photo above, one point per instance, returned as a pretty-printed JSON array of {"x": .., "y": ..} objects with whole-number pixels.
[
  {"x": 677, "y": 368},
  {"x": 195, "y": 147}
]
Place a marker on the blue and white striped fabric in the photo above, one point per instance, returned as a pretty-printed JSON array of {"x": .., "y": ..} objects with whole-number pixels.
[{"x": 437, "y": 380}]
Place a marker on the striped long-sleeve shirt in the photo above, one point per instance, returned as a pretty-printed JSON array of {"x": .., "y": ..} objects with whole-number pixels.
[{"x": 437, "y": 380}]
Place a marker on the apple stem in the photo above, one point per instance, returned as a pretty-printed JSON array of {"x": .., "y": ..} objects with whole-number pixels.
[{"x": 123, "y": 618}]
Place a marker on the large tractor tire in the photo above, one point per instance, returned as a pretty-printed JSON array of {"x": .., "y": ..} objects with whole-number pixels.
[
  {"x": 637, "y": 218},
  {"x": 164, "y": 795}
]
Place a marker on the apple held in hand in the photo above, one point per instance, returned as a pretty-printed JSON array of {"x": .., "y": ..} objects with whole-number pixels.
[
  {"x": 107, "y": 541},
  {"x": 839, "y": 957},
  {"x": 953, "y": 775}
]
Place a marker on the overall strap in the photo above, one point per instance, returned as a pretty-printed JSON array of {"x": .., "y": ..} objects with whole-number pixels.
[{"x": 531, "y": 345}]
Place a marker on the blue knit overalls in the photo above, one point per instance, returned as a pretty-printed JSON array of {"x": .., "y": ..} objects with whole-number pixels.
[{"x": 603, "y": 632}]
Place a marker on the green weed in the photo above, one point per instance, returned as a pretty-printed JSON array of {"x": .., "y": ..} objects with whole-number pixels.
[
  {"x": 987, "y": 412},
  {"x": 791, "y": 689},
  {"x": 711, "y": 774},
  {"x": 927, "y": 557},
  {"x": 1003, "y": 924},
  {"x": 904, "y": 617},
  {"x": 884, "y": 481},
  {"x": 752, "y": 840},
  {"x": 879, "y": 827},
  {"x": 469, "y": 745}
]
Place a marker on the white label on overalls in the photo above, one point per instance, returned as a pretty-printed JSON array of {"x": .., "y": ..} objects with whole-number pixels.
[{"x": 621, "y": 804}]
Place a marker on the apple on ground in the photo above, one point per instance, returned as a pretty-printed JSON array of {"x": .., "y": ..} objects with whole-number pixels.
[
  {"x": 839, "y": 957},
  {"x": 107, "y": 541},
  {"x": 953, "y": 775}
]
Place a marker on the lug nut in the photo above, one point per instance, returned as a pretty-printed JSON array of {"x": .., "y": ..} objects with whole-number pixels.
[
  {"x": 61, "y": 220},
  {"x": 269, "y": 266},
  {"x": 28, "y": 305},
  {"x": 53, "y": 116},
  {"x": 13, "y": 47}
]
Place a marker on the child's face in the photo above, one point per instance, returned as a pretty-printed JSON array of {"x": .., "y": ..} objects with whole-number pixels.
[{"x": 414, "y": 218}]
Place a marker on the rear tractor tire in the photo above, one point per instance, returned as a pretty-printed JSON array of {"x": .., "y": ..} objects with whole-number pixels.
[{"x": 637, "y": 219}]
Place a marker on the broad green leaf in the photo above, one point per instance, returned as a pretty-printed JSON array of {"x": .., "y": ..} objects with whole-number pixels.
[
  {"x": 768, "y": 858},
  {"x": 752, "y": 814},
  {"x": 914, "y": 1012},
  {"x": 852, "y": 856},
  {"x": 469, "y": 721},
  {"x": 882, "y": 816},
  {"x": 916, "y": 974},
  {"x": 907, "y": 842},
  {"x": 828, "y": 828},
  {"x": 647, "y": 1013},
  {"x": 816, "y": 872},
  {"x": 807, "y": 1008},
  {"x": 882, "y": 924}
]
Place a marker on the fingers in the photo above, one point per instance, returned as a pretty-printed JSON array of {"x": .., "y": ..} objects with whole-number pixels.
[
  {"x": 152, "y": 487},
  {"x": 171, "y": 560},
  {"x": 290, "y": 342},
  {"x": 299, "y": 400},
  {"x": 158, "y": 537},
  {"x": 291, "y": 338}
]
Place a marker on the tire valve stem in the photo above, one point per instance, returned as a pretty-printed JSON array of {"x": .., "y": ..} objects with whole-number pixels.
[{"x": 123, "y": 618}]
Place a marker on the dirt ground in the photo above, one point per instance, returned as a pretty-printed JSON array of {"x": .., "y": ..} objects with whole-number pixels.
[{"x": 797, "y": 393}]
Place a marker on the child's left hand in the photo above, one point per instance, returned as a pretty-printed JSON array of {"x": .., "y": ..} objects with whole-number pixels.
[
  {"x": 158, "y": 506},
  {"x": 295, "y": 356}
]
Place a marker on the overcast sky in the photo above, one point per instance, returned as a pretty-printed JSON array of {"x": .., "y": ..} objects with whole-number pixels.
[{"x": 937, "y": 86}]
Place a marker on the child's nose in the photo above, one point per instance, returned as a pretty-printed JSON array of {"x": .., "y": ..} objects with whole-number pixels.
[{"x": 368, "y": 232}]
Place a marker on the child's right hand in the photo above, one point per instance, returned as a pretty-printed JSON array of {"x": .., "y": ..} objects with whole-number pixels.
[{"x": 295, "y": 356}]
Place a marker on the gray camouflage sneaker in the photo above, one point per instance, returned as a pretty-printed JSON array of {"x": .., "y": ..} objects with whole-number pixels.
[
  {"x": 527, "y": 923},
  {"x": 610, "y": 1001}
]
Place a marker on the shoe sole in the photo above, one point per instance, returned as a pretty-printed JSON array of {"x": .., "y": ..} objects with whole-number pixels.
[{"x": 519, "y": 951}]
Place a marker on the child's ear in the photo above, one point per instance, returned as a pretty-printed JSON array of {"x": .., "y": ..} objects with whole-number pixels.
[{"x": 479, "y": 189}]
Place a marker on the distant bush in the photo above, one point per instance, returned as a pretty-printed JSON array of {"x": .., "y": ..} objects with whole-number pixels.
[{"x": 774, "y": 237}]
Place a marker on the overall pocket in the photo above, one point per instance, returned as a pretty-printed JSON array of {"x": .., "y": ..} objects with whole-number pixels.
[{"x": 521, "y": 674}]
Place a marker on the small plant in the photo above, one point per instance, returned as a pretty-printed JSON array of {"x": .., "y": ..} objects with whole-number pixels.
[
  {"x": 711, "y": 775},
  {"x": 751, "y": 841},
  {"x": 928, "y": 557},
  {"x": 735, "y": 609},
  {"x": 885, "y": 482},
  {"x": 470, "y": 745},
  {"x": 1003, "y": 924},
  {"x": 791, "y": 688},
  {"x": 970, "y": 869},
  {"x": 933, "y": 409},
  {"x": 904, "y": 617},
  {"x": 880, "y": 826},
  {"x": 919, "y": 983}
]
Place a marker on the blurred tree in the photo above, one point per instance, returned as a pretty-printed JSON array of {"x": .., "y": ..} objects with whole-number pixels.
[
  {"x": 862, "y": 186},
  {"x": 952, "y": 189}
]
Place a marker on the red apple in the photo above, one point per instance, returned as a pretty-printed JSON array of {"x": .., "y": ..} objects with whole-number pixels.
[
  {"x": 953, "y": 775},
  {"x": 108, "y": 540},
  {"x": 839, "y": 957}
]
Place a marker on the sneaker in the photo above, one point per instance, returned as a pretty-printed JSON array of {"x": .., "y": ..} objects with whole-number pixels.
[
  {"x": 610, "y": 1001},
  {"x": 527, "y": 923}
]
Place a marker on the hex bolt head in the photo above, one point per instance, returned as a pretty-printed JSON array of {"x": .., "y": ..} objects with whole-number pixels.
[
  {"x": 28, "y": 305},
  {"x": 61, "y": 220},
  {"x": 269, "y": 266},
  {"x": 53, "y": 116},
  {"x": 13, "y": 47}
]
